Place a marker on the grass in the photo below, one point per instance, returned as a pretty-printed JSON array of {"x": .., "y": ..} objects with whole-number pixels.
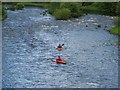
[{"x": 115, "y": 30}]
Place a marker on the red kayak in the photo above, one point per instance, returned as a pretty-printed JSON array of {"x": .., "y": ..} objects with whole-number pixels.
[
  {"x": 59, "y": 62},
  {"x": 59, "y": 49}
]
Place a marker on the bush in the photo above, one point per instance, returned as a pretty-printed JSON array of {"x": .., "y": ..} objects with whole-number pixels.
[
  {"x": 107, "y": 8},
  {"x": 53, "y": 6},
  {"x": 12, "y": 8},
  {"x": 19, "y": 6},
  {"x": 63, "y": 14},
  {"x": 73, "y": 7}
]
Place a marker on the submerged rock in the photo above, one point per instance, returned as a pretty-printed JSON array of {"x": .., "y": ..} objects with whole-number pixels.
[{"x": 98, "y": 26}]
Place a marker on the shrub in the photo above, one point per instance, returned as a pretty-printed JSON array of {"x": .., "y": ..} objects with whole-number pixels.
[
  {"x": 63, "y": 13},
  {"x": 107, "y": 8},
  {"x": 73, "y": 7},
  {"x": 19, "y": 6},
  {"x": 12, "y": 8},
  {"x": 53, "y": 6}
]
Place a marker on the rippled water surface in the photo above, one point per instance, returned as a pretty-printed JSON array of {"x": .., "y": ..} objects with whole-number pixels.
[{"x": 29, "y": 45}]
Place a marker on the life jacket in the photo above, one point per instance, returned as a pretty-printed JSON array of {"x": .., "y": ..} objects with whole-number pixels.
[
  {"x": 58, "y": 59},
  {"x": 59, "y": 49}
]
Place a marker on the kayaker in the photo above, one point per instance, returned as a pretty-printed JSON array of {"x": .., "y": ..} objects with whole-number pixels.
[
  {"x": 58, "y": 59},
  {"x": 59, "y": 47}
]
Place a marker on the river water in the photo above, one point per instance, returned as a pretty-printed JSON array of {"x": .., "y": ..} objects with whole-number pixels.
[{"x": 29, "y": 44}]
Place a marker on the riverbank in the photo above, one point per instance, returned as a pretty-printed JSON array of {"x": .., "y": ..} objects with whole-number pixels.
[
  {"x": 64, "y": 11},
  {"x": 115, "y": 30}
]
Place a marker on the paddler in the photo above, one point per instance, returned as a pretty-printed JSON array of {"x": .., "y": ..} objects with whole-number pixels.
[
  {"x": 58, "y": 59},
  {"x": 59, "y": 47}
]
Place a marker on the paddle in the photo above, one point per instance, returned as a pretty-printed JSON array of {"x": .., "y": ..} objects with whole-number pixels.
[
  {"x": 62, "y": 44},
  {"x": 53, "y": 60},
  {"x": 65, "y": 59}
]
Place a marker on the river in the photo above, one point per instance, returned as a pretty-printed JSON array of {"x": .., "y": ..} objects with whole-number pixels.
[{"x": 30, "y": 39}]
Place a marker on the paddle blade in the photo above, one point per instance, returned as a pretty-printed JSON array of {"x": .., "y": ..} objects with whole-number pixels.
[
  {"x": 62, "y": 44},
  {"x": 53, "y": 60},
  {"x": 65, "y": 59}
]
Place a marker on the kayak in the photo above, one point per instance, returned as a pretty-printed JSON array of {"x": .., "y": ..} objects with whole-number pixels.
[
  {"x": 59, "y": 62},
  {"x": 59, "y": 49}
]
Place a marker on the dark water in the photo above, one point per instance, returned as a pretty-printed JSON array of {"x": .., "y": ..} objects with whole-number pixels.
[{"x": 29, "y": 42}]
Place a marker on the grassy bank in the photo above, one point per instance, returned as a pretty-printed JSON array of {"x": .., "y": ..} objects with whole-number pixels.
[{"x": 115, "y": 30}]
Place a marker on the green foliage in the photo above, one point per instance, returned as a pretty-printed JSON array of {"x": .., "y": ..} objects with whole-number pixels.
[
  {"x": 63, "y": 14},
  {"x": 89, "y": 9},
  {"x": 12, "y": 8},
  {"x": 118, "y": 9},
  {"x": 53, "y": 6},
  {"x": 4, "y": 14},
  {"x": 19, "y": 6},
  {"x": 73, "y": 7},
  {"x": 107, "y": 8},
  {"x": 115, "y": 30}
]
